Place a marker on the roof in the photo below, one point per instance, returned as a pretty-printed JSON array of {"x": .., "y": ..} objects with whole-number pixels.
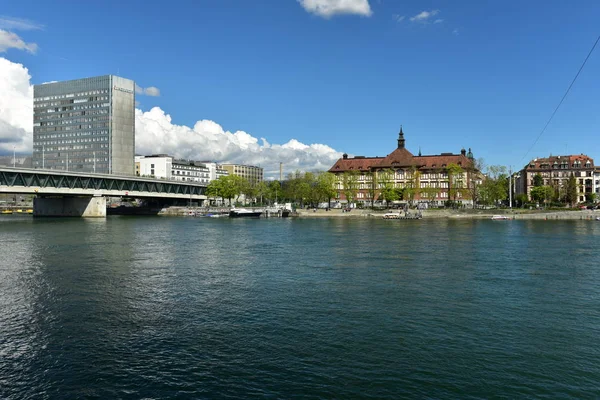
[
  {"x": 442, "y": 160},
  {"x": 399, "y": 157},
  {"x": 399, "y": 160},
  {"x": 360, "y": 164},
  {"x": 548, "y": 162}
]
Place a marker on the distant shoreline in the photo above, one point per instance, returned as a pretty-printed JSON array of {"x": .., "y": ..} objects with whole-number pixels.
[{"x": 516, "y": 214}]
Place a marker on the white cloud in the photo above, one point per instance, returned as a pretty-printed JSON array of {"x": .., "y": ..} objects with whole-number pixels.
[
  {"x": 10, "y": 40},
  {"x": 455, "y": 32},
  {"x": 16, "y": 107},
  {"x": 398, "y": 18},
  {"x": 438, "y": 21},
  {"x": 156, "y": 133},
  {"x": 207, "y": 140},
  {"x": 424, "y": 16},
  {"x": 18, "y": 24},
  {"x": 149, "y": 91},
  {"x": 329, "y": 8}
]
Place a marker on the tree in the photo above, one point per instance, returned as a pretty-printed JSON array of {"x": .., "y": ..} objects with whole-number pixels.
[
  {"x": 350, "y": 185},
  {"x": 590, "y": 197},
  {"x": 387, "y": 186},
  {"x": 214, "y": 189},
  {"x": 541, "y": 194},
  {"x": 230, "y": 186},
  {"x": 274, "y": 192},
  {"x": 262, "y": 190},
  {"x": 571, "y": 191},
  {"x": 326, "y": 186},
  {"x": 538, "y": 180},
  {"x": 521, "y": 199},
  {"x": 455, "y": 180},
  {"x": 494, "y": 187},
  {"x": 373, "y": 182},
  {"x": 474, "y": 179}
]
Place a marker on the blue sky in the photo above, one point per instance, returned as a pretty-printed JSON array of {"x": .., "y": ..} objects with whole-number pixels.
[{"x": 479, "y": 74}]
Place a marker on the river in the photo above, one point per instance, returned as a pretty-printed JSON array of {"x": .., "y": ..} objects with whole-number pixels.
[{"x": 156, "y": 308}]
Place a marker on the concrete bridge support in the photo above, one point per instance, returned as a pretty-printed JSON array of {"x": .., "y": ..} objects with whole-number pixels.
[{"x": 87, "y": 207}]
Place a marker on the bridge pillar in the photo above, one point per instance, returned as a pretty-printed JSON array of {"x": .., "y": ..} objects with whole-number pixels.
[{"x": 87, "y": 207}]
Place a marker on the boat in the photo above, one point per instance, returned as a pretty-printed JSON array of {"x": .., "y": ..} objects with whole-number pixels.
[
  {"x": 500, "y": 217},
  {"x": 244, "y": 213},
  {"x": 29, "y": 211},
  {"x": 6, "y": 212},
  {"x": 391, "y": 215}
]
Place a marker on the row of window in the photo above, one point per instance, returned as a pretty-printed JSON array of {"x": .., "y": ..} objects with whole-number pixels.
[
  {"x": 39, "y": 129},
  {"x": 71, "y": 121},
  {"x": 51, "y": 112},
  {"x": 71, "y": 95},
  {"x": 362, "y": 195},
  {"x": 37, "y": 137}
]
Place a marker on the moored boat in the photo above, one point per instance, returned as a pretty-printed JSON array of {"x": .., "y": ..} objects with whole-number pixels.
[
  {"x": 391, "y": 215},
  {"x": 499, "y": 217},
  {"x": 244, "y": 213}
]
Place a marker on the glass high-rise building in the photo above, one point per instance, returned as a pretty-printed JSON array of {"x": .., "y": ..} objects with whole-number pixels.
[{"x": 85, "y": 125}]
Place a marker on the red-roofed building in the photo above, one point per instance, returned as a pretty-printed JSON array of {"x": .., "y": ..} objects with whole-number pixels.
[
  {"x": 556, "y": 170},
  {"x": 426, "y": 176}
]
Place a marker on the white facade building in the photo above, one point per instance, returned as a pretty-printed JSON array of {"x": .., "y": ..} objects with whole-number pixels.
[
  {"x": 216, "y": 170},
  {"x": 154, "y": 166},
  {"x": 163, "y": 166}
]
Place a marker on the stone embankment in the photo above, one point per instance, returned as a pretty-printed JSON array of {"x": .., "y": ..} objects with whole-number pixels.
[
  {"x": 516, "y": 214},
  {"x": 459, "y": 214}
]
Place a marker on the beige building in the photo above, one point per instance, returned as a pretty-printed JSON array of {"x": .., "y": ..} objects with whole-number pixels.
[
  {"x": 555, "y": 171},
  {"x": 426, "y": 176},
  {"x": 253, "y": 174}
]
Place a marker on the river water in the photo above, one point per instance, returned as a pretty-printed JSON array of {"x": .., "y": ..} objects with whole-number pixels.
[{"x": 156, "y": 308}]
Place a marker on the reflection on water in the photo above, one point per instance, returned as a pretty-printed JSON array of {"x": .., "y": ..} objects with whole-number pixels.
[{"x": 192, "y": 308}]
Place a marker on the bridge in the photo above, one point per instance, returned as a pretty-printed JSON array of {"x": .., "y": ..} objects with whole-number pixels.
[{"x": 62, "y": 193}]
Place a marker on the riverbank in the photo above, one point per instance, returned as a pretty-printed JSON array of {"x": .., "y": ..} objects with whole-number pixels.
[
  {"x": 515, "y": 214},
  {"x": 461, "y": 214}
]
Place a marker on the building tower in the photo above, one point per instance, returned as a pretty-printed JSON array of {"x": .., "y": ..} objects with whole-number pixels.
[
  {"x": 401, "y": 140},
  {"x": 85, "y": 125}
]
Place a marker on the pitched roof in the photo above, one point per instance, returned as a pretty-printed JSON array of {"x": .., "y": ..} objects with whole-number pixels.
[
  {"x": 442, "y": 160},
  {"x": 356, "y": 163},
  {"x": 397, "y": 158},
  {"x": 548, "y": 162}
]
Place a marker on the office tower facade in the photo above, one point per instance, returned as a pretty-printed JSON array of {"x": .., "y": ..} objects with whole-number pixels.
[
  {"x": 253, "y": 174},
  {"x": 85, "y": 125}
]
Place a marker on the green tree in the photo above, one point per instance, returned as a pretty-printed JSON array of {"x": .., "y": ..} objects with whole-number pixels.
[
  {"x": 590, "y": 197},
  {"x": 262, "y": 191},
  {"x": 542, "y": 194},
  {"x": 475, "y": 179},
  {"x": 494, "y": 187},
  {"x": 274, "y": 192},
  {"x": 387, "y": 186},
  {"x": 373, "y": 186},
  {"x": 350, "y": 185},
  {"x": 326, "y": 186},
  {"x": 571, "y": 190},
  {"x": 231, "y": 187},
  {"x": 214, "y": 189},
  {"x": 521, "y": 199},
  {"x": 455, "y": 180},
  {"x": 538, "y": 180}
]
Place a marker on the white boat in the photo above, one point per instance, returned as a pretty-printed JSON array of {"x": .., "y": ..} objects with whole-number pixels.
[
  {"x": 391, "y": 215},
  {"x": 244, "y": 213},
  {"x": 500, "y": 217}
]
